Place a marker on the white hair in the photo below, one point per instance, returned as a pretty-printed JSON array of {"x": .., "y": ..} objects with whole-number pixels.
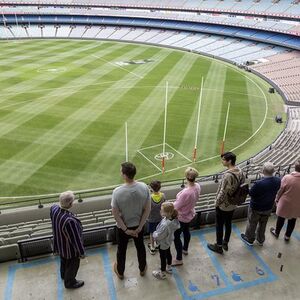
[
  {"x": 268, "y": 168},
  {"x": 66, "y": 199}
]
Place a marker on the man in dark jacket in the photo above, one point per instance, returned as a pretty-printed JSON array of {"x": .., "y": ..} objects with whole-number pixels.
[
  {"x": 262, "y": 195},
  {"x": 67, "y": 239}
]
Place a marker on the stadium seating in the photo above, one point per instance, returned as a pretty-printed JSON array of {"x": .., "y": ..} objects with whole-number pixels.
[
  {"x": 288, "y": 8},
  {"x": 286, "y": 148},
  {"x": 283, "y": 70},
  {"x": 227, "y": 48}
]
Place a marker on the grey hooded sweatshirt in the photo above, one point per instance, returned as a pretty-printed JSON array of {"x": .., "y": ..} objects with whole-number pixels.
[{"x": 164, "y": 234}]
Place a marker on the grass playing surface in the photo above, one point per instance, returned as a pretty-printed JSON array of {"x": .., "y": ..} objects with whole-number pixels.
[{"x": 64, "y": 104}]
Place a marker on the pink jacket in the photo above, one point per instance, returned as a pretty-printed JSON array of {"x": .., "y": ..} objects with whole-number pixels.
[
  {"x": 288, "y": 196},
  {"x": 186, "y": 201}
]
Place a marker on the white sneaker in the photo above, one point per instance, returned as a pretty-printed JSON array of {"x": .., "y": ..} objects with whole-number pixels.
[
  {"x": 159, "y": 274},
  {"x": 151, "y": 249},
  {"x": 169, "y": 269}
]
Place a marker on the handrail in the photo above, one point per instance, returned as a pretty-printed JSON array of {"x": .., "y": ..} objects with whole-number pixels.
[{"x": 88, "y": 194}]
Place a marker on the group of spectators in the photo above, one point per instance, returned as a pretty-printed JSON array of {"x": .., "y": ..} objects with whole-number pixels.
[{"x": 133, "y": 205}]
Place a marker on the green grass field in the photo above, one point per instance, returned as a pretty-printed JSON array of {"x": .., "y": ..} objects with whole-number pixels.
[{"x": 64, "y": 104}]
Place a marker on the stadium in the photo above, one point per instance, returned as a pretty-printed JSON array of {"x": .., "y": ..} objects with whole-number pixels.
[{"x": 166, "y": 85}]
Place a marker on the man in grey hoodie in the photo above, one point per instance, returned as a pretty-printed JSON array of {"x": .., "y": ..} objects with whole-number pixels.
[{"x": 224, "y": 209}]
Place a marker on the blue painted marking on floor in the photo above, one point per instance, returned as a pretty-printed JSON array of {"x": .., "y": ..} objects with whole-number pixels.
[
  {"x": 264, "y": 266},
  {"x": 270, "y": 276},
  {"x": 60, "y": 286},
  {"x": 108, "y": 274},
  {"x": 296, "y": 235},
  {"x": 180, "y": 285},
  {"x": 10, "y": 282},
  {"x": 215, "y": 261},
  {"x": 12, "y": 272}
]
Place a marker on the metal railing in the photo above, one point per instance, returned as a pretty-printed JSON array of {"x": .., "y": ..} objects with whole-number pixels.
[{"x": 39, "y": 201}]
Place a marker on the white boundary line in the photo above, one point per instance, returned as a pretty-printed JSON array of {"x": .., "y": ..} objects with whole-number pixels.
[
  {"x": 150, "y": 161},
  {"x": 111, "y": 63},
  {"x": 179, "y": 153},
  {"x": 149, "y": 147}
]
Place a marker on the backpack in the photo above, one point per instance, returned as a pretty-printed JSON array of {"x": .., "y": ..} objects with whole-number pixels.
[{"x": 239, "y": 196}]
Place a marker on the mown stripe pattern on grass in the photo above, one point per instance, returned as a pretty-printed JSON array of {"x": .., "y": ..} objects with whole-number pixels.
[{"x": 64, "y": 105}]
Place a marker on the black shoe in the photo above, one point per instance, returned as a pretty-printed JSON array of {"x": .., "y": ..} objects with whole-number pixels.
[
  {"x": 225, "y": 246},
  {"x": 273, "y": 231},
  {"x": 286, "y": 238},
  {"x": 76, "y": 285},
  {"x": 259, "y": 243},
  {"x": 246, "y": 240},
  {"x": 120, "y": 276},
  {"x": 215, "y": 248}
]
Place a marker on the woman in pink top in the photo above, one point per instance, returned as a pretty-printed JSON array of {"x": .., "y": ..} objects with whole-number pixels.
[
  {"x": 288, "y": 203},
  {"x": 185, "y": 205}
]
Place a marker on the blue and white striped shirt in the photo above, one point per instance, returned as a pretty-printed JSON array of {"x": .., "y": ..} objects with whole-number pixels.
[{"x": 67, "y": 233}]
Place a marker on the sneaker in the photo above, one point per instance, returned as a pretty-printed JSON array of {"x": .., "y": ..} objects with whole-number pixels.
[
  {"x": 117, "y": 273},
  {"x": 286, "y": 238},
  {"x": 152, "y": 250},
  {"x": 259, "y": 243},
  {"x": 215, "y": 248},
  {"x": 245, "y": 240},
  {"x": 176, "y": 262},
  {"x": 273, "y": 232},
  {"x": 142, "y": 273},
  {"x": 225, "y": 246},
  {"x": 159, "y": 274},
  {"x": 185, "y": 252},
  {"x": 169, "y": 269}
]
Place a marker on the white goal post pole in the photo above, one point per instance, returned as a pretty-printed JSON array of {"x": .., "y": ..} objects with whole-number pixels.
[
  {"x": 225, "y": 129},
  {"x": 126, "y": 141},
  {"x": 198, "y": 121},
  {"x": 165, "y": 128}
]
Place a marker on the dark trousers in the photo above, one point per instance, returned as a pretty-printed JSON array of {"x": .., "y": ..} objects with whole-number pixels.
[
  {"x": 256, "y": 225},
  {"x": 68, "y": 270},
  {"x": 185, "y": 229},
  {"x": 223, "y": 218},
  {"x": 165, "y": 258},
  {"x": 290, "y": 226},
  {"x": 122, "y": 239}
]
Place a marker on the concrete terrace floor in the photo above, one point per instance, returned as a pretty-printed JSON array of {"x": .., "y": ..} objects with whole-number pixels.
[{"x": 243, "y": 272}]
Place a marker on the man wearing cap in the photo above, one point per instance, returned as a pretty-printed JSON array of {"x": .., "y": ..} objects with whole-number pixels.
[
  {"x": 67, "y": 239},
  {"x": 262, "y": 195}
]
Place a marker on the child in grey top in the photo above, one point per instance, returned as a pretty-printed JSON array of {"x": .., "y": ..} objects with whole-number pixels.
[
  {"x": 164, "y": 235},
  {"x": 157, "y": 198}
]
